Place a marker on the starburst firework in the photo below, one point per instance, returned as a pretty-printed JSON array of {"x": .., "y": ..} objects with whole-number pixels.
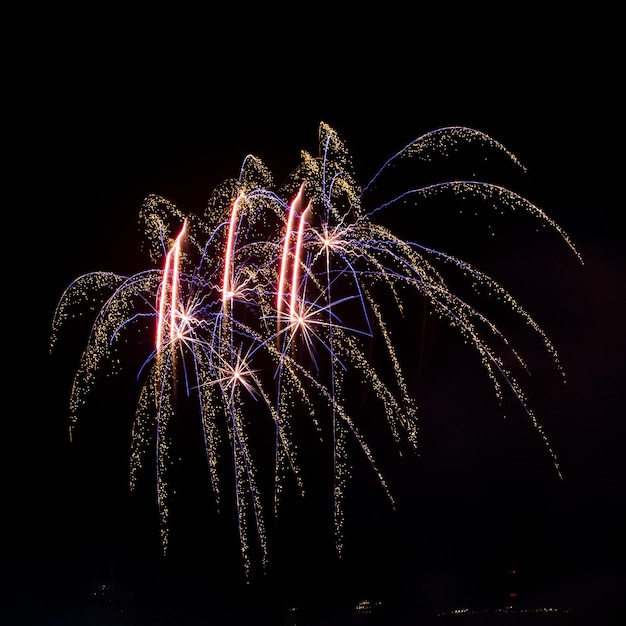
[{"x": 268, "y": 305}]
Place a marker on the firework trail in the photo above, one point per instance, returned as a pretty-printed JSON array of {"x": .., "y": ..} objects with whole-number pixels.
[{"x": 266, "y": 307}]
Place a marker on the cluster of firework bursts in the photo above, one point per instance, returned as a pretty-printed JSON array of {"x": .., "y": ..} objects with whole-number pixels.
[{"x": 266, "y": 309}]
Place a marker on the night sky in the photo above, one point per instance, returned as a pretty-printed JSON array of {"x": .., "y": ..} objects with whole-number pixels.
[{"x": 110, "y": 111}]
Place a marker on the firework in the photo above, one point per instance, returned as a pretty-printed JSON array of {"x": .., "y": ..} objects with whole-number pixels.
[{"x": 269, "y": 306}]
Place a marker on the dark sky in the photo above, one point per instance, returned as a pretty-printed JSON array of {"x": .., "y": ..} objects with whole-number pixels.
[{"x": 111, "y": 111}]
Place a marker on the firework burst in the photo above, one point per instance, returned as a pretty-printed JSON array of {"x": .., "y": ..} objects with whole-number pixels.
[{"x": 269, "y": 307}]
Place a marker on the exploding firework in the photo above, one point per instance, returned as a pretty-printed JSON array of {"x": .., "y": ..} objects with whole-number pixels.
[{"x": 275, "y": 305}]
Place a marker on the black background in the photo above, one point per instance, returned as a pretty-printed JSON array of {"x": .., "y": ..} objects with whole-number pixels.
[{"x": 107, "y": 108}]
